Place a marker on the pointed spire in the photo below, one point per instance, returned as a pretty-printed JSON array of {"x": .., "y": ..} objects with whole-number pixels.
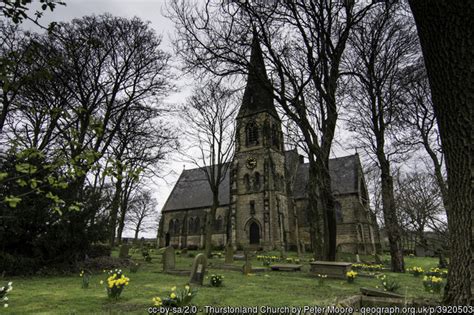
[{"x": 258, "y": 95}]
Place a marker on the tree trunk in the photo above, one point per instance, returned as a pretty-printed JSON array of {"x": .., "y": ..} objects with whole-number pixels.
[
  {"x": 390, "y": 217},
  {"x": 210, "y": 225},
  {"x": 114, "y": 208},
  {"x": 446, "y": 31}
]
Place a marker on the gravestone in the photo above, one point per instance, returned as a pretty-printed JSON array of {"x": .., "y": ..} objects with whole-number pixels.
[
  {"x": 229, "y": 254},
  {"x": 169, "y": 259},
  {"x": 198, "y": 269},
  {"x": 124, "y": 249},
  {"x": 282, "y": 252},
  {"x": 303, "y": 249},
  {"x": 247, "y": 268},
  {"x": 357, "y": 258}
]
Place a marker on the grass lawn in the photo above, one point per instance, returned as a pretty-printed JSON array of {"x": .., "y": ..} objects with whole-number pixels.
[{"x": 64, "y": 295}]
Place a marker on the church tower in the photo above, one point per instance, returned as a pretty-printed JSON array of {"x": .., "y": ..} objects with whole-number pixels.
[{"x": 259, "y": 199}]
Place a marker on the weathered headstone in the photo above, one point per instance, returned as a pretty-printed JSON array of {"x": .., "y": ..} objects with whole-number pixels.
[
  {"x": 247, "y": 268},
  {"x": 229, "y": 254},
  {"x": 169, "y": 259},
  {"x": 357, "y": 258},
  {"x": 303, "y": 249},
  {"x": 282, "y": 252},
  {"x": 124, "y": 249},
  {"x": 198, "y": 270}
]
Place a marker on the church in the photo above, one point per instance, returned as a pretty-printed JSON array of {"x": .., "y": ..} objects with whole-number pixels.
[{"x": 263, "y": 197}]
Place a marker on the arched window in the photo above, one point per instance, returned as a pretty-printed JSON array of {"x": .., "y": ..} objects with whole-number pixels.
[
  {"x": 218, "y": 224},
  {"x": 251, "y": 132},
  {"x": 257, "y": 181},
  {"x": 247, "y": 182},
  {"x": 171, "y": 227},
  {"x": 190, "y": 225},
  {"x": 176, "y": 227},
  {"x": 197, "y": 225}
]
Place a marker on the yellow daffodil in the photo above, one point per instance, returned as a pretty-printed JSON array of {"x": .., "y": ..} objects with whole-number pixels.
[{"x": 173, "y": 295}]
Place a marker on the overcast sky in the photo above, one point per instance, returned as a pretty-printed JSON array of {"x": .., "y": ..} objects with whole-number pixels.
[{"x": 152, "y": 11}]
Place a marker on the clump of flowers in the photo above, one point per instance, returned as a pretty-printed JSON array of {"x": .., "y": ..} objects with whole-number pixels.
[
  {"x": 437, "y": 272},
  {"x": 388, "y": 284},
  {"x": 216, "y": 280},
  {"x": 432, "y": 284},
  {"x": 416, "y": 271},
  {"x": 367, "y": 267},
  {"x": 321, "y": 279},
  {"x": 351, "y": 275},
  {"x": 4, "y": 292},
  {"x": 116, "y": 281},
  {"x": 86, "y": 277},
  {"x": 134, "y": 267},
  {"x": 289, "y": 260},
  {"x": 177, "y": 297}
]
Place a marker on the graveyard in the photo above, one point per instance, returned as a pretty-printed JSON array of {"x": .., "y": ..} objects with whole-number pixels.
[{"x": 264, "y": 287}]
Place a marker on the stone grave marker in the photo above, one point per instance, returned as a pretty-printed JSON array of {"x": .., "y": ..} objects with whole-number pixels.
[
  {"x": 169, "y": 259},
  {"x": 198, "y": 270},
  {"x": 357, "y": 258},
  {"x": 247, "y": 268},
  {"x": 303, "y": 249},
  {"x": 124, "y": 251},
  {"x": 229, "y": 254},
  {"x": 282, "y": 252}
]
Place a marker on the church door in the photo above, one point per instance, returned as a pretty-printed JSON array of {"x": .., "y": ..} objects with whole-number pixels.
[{"x": 254, "y": 233}]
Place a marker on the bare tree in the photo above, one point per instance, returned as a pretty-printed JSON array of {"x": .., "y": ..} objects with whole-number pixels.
[
  {"x": 446, "y": 30},
  {"x": 142, "y": 207},
  {"x": 419, "y": 203},
  {"x": 303, "y": 43},
  {"x": 380, "y": 47},
  {"x": 210, "y": 115},
  {"x": 420, "y": 122}
]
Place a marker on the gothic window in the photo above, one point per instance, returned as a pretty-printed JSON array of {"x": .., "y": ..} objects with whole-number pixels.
[
  {"x": 338, "y": 210},
  {"x": 171, "y": 227},
  {"x": 247, "y": 182},
  {"x": 257, "y": 181},
  {"x": 218, "y": 224},
  {"x": 191, "y": 225},
  {"x": 252, "y": 207},
  {"x": 251, "y": 131},
  {"x": 197, "y": 225}
]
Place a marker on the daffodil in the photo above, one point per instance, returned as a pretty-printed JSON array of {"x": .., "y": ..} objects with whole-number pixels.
[{"x": 173, "y": 295}]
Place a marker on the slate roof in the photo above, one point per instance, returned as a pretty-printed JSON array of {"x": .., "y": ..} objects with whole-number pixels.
[
  {"x": 192, "y": 189},
  {"x": 343, "y": 172}
]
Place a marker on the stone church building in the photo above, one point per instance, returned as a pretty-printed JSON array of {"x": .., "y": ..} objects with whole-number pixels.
[{"x": 263, "y": 197}]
